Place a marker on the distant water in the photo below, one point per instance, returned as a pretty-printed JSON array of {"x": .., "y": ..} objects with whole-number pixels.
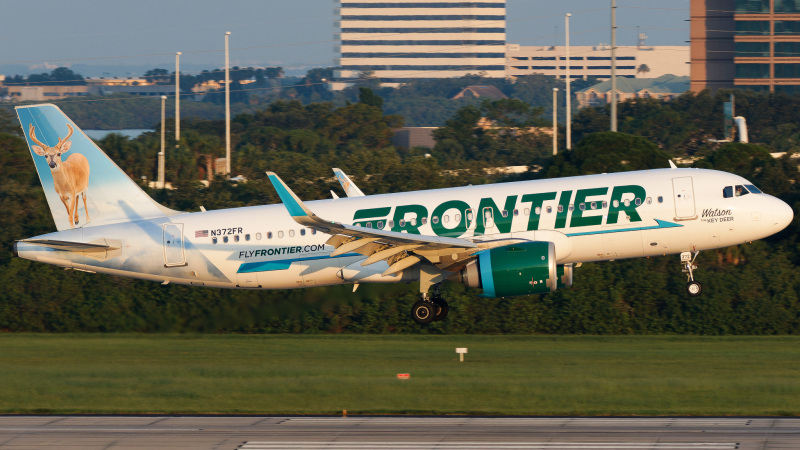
[{"x": 100, "y": 134}]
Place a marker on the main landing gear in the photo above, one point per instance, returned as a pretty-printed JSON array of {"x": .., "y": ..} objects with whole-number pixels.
[
  {"x": 430, "y": 309},
  {"x": 693, "y": 288}
]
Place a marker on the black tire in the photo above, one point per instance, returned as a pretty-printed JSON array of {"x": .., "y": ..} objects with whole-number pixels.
[
  {"x": 694, "y": 289},
  {"x": 423, "y": 312},
  {"x": 442, "y": 308}
]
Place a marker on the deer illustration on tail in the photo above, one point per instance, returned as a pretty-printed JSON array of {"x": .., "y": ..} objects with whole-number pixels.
[{"x": 70, "y": 175}]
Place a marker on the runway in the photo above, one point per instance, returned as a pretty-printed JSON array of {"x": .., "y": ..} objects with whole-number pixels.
[{"x": 391, "y": 433}]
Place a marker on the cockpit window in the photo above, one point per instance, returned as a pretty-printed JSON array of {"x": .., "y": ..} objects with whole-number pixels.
[
  {"x": 753, "y": 189},
  {"x": 739, "y": 190}
]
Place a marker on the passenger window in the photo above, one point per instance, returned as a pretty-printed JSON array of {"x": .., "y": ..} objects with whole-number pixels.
[
  {"x": 236, "y": 238},
  {"x": 424, "y": 220},
  {"x": 225, "y": 239},
  {"x": 582, "y": 206},
  {"x": 402, "y": 223},
  {"x": 550, "y": 209},
  {"x": 516, "y": 212},
  {"x": 505, "y": 213},
  {"x": 605, "y": 204},
  {"x": 458, "y": 217},
  {"x": 369, "y": 225},
  {"x": 649, "y": 200},
  {"x": 246, "y": 237},
  {"x": 615, "y": 203},
  {"x": 447, "y": 218},
  {"x": 538, "y": 211},
  {"x": 435, "y": 220},
  {"x": 594, "y": 205},
  {"x": 213, "y": 240},
  {"x": 380, "y": 224},
  {"x": 626, "y": 203},
  {"x": 303, "y": 232},
  {"x": 313, "y": 231},
  {"x": 391, "y": 224},
  {"x": 258, "y": 236},
  {"x": 291, "y": 233},
  {"x": 280, "y": 234},
  {"x": 638, "y": 201},
  {"x": 660, "y": 199},
  {"x": 269, "y": 235},
  {"x": 572, "y": 208},
  {"x": 560, "y": 208}
]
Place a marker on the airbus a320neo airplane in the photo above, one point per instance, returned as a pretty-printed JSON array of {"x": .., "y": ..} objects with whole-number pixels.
[{"x": 506, "y": 239}]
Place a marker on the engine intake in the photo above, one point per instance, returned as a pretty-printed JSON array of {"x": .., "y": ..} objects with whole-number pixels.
[{"x": 517, "y": 269}]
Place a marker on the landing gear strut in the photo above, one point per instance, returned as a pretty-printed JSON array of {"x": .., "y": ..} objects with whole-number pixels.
[
  {"x": 693, "y": 288},
  {"x": 430, "y": 309}
]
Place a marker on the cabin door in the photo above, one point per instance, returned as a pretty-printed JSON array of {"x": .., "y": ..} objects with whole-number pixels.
[
  {"x": 683, "y": 191},
  {"x": 174, "y": 254}
]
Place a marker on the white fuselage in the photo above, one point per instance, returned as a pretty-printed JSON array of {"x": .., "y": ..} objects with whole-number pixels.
[{"x": 588, "y": 218}]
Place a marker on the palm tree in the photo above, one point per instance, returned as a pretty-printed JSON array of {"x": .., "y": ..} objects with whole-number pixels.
[{"x": 643, "y": 69}]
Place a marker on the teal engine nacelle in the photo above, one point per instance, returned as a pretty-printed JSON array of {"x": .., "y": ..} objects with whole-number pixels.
[{"x": 517, "y": 269}]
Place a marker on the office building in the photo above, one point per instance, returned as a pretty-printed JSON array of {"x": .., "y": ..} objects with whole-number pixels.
[
  {"x": 753, "y": 44},
  {"x": 636, "y": 61},
  {"x": 402, "y": 40}
]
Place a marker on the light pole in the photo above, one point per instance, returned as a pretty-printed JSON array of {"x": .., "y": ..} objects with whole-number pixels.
[
  {"x": 227, "y": 107},
  {"x": 161, "y": 154},
  {"x": 177, "y": 99},
  {"x": 569, "y": 88},
  {"x": 614, "y": 65},
  {"x": 555, "y": 121}
]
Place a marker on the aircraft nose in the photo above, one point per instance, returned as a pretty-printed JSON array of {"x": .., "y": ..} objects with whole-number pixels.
[{"x": 782, "y": 215}]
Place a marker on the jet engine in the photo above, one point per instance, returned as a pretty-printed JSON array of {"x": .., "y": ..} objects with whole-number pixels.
[{"x": 518, "y": 269}]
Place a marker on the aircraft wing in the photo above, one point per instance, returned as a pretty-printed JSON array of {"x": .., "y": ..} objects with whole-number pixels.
[
  {"x": 349, "y": 187},
  {"x": 378, "y": 245}
]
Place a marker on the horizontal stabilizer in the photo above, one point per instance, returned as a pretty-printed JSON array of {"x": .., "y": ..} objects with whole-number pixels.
[{"x": 69, "y": 246}]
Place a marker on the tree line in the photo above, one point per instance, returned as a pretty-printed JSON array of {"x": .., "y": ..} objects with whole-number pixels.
[{"x": 749, "y": 289}]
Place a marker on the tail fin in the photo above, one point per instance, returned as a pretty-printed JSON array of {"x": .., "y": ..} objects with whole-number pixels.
[{"x": 82, "y": 185}]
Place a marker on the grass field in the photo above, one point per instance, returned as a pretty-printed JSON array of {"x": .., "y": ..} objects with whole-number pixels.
[{"x": 537, "y": 375}]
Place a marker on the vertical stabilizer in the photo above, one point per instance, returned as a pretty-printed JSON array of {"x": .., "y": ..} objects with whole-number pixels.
[{"x": 82, "y": 185}]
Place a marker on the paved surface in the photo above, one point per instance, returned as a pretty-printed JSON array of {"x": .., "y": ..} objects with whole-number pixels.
[{"x": 441, "y": 433}]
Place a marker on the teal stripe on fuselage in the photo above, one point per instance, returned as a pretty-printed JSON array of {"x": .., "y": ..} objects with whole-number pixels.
[
  {"x": 283, "y": 264},
  {"x": 661, "y": 225}
]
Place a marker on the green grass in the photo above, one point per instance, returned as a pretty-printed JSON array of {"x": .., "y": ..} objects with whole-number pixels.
[{"x": 265, "y": 374}]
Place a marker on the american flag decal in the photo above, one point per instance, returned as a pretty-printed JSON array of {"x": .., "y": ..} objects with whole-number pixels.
[{"x": 201, "y": 233}]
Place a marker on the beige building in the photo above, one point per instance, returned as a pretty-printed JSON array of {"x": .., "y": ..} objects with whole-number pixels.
[
  {"x": 595, "y": 61},
  {"x": 45, "y": 93}
]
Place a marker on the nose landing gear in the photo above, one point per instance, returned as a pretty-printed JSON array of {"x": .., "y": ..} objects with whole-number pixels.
[{"x": 693, "y": 288}]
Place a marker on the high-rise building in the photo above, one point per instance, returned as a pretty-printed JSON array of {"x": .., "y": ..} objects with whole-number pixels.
[
  {"x": 753, "y": 44},
  {"x": 401, "y": 40}
]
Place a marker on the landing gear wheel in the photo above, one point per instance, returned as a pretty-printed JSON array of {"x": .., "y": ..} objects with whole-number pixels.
[
  {"x": 441, "y": 308},
  {"x": 694, "y": 288},
  {"x": 423, "y": 312}
]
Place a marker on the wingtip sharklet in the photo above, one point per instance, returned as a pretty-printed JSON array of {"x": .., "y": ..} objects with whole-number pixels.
[{"x": 290, "y": 200}]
